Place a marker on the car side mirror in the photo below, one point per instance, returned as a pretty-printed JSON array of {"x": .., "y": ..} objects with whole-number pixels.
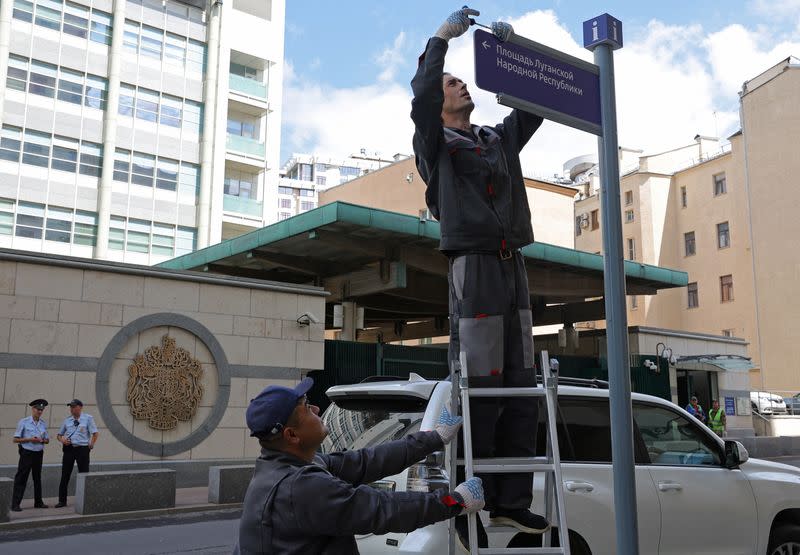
[{"x": 735, "y": 454}]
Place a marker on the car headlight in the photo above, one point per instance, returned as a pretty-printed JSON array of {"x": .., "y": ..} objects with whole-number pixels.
[{"x": 428, "y": 475}]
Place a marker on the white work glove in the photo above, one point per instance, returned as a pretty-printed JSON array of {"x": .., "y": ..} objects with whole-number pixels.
[
  {"x": 447, "y": 426},
  {"x": 456, "y": 24},
  {"x": 469, "y": 495},
  {"x": 502, "y": 30}
]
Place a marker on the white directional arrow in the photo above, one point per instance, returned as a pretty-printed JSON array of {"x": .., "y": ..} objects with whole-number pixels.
[{"x": 486, "y": 45}]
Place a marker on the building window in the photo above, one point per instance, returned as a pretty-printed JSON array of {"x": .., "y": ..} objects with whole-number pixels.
[
  {"x": 241, "y": 184},
  {"x": 726, "y": 288},
  {"x": 628, "y": 198},
  {"x": 689, "y": 244},
  {"x": 244, "y": 71},
  {"x": 628, "y": 216},
  {"x": 723, "y": 235},
  {"x": 306, "y": 192},
  {"x": 693, "y": 298},
  {"x": 728, "y": 333},
  {"x": 305, "y": 205},
  {"x": 285, "y": 191},
  {"x": 631, "y": 249},
  {"x": 349, "y": 171},
  {"x": 720, "y": 185},
  {"x": 30, "y": 220},
  {"x": 684, "y": 198},
  {"x": 634, "y": 302},
  {"x": 578, "y": 220},
  {"x": 62, "y": 225},
  {"x": 284, "y": 215},
  {"x": 285, "y": 203},
  {"x": 75, "y": 18},
  {"x": 321, "y": 180},
  {"x": 51, "y": 81},
  {"x": 595, "y": 219}
]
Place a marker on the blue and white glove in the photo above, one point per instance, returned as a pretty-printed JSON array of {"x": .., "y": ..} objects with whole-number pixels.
[
  {"x": 469, "y": 495},
  {"x": 456, "y": 24},
  {"x": 447, "y": 426},
  {"x": 502, "y": 30}
]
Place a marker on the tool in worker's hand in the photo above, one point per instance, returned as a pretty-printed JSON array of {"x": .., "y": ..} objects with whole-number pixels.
[{"x": 499, "y": 29}]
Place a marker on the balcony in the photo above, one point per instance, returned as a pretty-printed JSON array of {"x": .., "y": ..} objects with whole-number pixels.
[
  {"x": 241, "y": 205},
  {"x": 246, "y": 147},
  {"x": 248, "y": 87}
]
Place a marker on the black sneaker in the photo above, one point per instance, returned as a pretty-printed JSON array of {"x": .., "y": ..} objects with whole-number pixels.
[
  {"x": 61, "y": 504},
  {"x": 16, "y": 508},
  {"x": 462, "y": 533},
  {"x": 40, "y": 505},
  {"x": 521, "y": 519}
]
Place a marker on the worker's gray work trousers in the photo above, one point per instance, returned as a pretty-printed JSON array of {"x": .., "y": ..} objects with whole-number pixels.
[{"x": 490, "y": 321}]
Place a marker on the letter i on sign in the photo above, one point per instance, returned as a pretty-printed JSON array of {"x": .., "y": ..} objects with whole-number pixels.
[
  {"x": 614, "y": 30},
  {"x": 595, "y": 32}
]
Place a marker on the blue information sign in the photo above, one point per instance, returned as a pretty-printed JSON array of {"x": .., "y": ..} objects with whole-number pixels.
[
  {"x": 603, "y": 29},
  {"x": 539, "y": 79},
  {"x": 730, "y": 406}
]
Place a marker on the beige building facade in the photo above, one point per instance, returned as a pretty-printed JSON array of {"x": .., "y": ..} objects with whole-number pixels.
[
  {"x": 399, "y": 188},
  {"x": 725, "y": 214},
  {"x": 106, "y": 332}
]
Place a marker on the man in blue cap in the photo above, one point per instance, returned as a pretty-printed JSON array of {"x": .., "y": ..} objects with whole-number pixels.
[
  {"x": 31, "y": 437},
  {"x": 301, "y": 502}
]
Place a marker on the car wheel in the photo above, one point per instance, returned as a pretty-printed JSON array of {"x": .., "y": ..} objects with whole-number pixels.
[{"x": 785, "y": 540}]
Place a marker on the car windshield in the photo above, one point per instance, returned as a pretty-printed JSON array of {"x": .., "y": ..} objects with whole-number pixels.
[{"x": 358, "y": 424}]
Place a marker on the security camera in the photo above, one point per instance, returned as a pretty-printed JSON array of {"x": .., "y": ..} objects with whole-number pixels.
[{"x": 307, "y": 319}]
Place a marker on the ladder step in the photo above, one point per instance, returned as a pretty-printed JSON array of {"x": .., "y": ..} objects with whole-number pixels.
[
  {"x": 507, "y": 465},
  {"x": 521, "y": 551},
  {"x": 506, "y": 391}
]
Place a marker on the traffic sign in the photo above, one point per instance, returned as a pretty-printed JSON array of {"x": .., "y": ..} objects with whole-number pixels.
[{"x": 531, "y": 76}]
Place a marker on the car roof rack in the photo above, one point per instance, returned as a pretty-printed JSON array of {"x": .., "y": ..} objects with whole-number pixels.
[
  {"x": 370, "y": 379},
  {"x": 594, "y": 383}
]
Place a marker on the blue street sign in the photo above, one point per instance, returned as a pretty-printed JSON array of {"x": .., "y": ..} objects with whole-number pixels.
[
  {"x": 730, "y": 406},
  {"x": 539, "y": 79},
  {"x": 603, "y": 29}
]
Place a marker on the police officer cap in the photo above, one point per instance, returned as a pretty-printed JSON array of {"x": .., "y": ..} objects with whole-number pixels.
[
  {"x": 38, "y": 403},
  {"x": 268, "y": 412},
  {"x": 75, "y": 403}
]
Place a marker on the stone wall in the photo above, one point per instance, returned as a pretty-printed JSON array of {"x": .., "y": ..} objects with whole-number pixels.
[{"x": 72, "y": 328}]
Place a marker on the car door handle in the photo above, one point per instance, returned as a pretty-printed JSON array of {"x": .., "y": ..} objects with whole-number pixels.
[
  {"x": 669, "y": 486},
  {"x": 572, "y": 485}
]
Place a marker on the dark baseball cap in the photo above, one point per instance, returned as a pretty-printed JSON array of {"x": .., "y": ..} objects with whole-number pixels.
[
  {"x": 268, "y": 412},
  {"x": 75, "y": 403}
]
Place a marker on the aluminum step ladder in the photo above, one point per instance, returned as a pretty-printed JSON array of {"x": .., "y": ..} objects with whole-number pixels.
[{"x": 550, "y": 464}]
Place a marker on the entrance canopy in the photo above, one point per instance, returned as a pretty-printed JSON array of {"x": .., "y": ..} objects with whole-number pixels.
[
  {"x": 388, "y": 263},
  {"x": 716, "y": 363}
]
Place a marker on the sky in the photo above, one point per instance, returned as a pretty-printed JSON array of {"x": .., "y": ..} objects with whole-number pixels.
[{"x": 348, "y": 66}]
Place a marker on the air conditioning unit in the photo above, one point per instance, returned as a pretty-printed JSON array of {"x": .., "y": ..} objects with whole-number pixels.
[{"x": 584, "y": 221}]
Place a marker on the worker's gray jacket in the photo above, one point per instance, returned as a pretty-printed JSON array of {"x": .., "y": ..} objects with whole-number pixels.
[
  {"x": 296, "y": 507},
  {"x": 475, "y": 186}
]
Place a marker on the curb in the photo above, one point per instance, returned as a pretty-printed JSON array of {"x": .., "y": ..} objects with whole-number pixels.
[{"x": 116, "y": 517}]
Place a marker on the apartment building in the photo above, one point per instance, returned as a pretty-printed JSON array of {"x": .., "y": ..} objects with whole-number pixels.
[
  {"x": 727, "y": 214},
  {"x": 137, "y": 130},
  {"x": 305, "y": 176}
]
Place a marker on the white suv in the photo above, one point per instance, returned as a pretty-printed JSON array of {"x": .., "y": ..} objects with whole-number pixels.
[{"x": 695, "y": 493}]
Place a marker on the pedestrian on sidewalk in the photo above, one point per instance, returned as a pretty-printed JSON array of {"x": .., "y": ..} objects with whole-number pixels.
[
  {"x": 696, "y": 410},
  {"x": 78, "y": 434},
  {"x": 300, "y": 502},
  {"x": 716, "y": 419},
  {"x": 476, "y": 190},
  {"x": 30, "y": 437}
]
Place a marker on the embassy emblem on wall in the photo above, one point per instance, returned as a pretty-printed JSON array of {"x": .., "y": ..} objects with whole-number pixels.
[{"x": 164, "y": 385}]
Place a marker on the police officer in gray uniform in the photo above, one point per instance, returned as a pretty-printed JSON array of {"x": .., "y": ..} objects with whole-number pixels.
[
  {"x": 476, "y": 191},
  {"x": 31, "y": 437},
  {"x": 78, "y": 434},
  {"x": 300, "y": 502}
]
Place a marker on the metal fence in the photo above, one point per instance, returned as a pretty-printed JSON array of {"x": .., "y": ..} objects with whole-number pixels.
[{"x": 349, "y": 362}]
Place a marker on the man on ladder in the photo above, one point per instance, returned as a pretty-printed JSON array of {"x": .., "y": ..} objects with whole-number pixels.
[{"x": 476, "y": 191}]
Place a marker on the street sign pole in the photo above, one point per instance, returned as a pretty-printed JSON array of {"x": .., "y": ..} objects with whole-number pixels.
[
  {"x": 533, "y": 77},
  {"x": 602, "y": 35}
]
